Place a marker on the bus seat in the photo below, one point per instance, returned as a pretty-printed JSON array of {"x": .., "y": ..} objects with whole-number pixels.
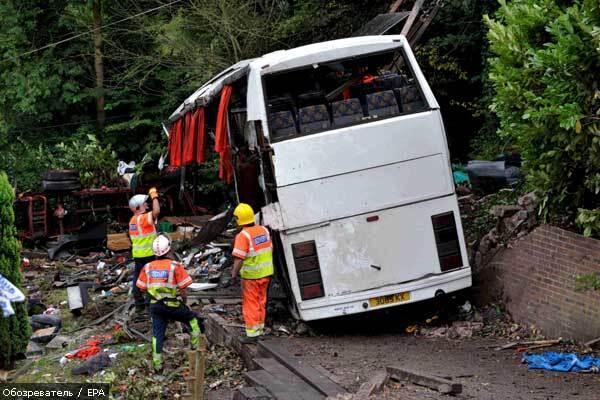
[
  {"x": 314, "y": 118},
  {"x": 410, "y": 98},
  {"x": 346, "y": 112},
  {"x": 382, "y": 104},
  {"x": 282, "y": 123}
]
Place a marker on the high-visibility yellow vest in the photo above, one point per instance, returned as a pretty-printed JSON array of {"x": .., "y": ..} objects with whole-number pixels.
[
  {"x": 258, "y": 261},
  {"x": 142, "y": 233},
  {"x": 161, "y": 278}
]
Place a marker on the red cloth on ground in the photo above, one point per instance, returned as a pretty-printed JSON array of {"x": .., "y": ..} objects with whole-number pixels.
[
  {"x": 221, "y": 137},
  {"x": 189, "y": 139},
  {"x": 90, "y": 348},
  {"x": 200, "y": 134},
  {"x": 175, "y": 138}
]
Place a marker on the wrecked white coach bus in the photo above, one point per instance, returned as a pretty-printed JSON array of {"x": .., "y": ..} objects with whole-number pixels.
[{"x": 341, "y": 145}]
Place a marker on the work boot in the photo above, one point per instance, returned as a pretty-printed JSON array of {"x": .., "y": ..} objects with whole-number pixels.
[{"x": 157, "y": 363}]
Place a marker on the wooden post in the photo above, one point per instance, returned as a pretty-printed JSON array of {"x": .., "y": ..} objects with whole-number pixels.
[
  {"x": 200, "y": 366},
  {"x": 191, "y": 379}
]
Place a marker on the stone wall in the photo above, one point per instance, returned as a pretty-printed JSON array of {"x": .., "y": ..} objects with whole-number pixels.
[{"x": 536, "y": 278}]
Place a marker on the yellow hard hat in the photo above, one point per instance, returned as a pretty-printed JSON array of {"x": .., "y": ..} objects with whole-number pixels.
[{"x": 244, "y": 214}]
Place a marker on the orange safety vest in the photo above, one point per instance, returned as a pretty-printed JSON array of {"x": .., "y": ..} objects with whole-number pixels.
[
  {"x": 142, "y": 233},
  {"x": 253, "y": 245},
  {"x": 161, "y": 278}
]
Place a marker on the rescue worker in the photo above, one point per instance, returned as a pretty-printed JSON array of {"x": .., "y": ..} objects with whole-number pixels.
[
  {"x": 142, "y": 232},
  {"x": 161, "y": 279},
  {"x": 253, "y": 261}
]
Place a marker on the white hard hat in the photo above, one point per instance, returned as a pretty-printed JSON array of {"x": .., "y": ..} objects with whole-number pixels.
[
  {"x": 161, "y": 245},
  {"x": 137, "y": 201}
]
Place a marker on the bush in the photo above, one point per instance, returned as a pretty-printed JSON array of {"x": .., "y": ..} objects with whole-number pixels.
[
  {"x": 14, "y": 330},
  {"x": 547, "y": 98},
  {"x": 96, "y": 163}
]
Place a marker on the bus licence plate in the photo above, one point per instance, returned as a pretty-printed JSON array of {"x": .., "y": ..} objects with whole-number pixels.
[{"x": 389, "y": 299}]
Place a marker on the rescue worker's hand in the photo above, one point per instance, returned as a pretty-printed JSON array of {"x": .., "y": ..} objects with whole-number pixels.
[{"x": 153, "y": 193}]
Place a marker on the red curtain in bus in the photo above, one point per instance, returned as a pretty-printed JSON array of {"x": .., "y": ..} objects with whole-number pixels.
[
  {"x": 175, "y": 139},
  {"x": 200, "y": 134},
  {"x": 221, "y": 138},
  {"x": 189, "y": 139}
]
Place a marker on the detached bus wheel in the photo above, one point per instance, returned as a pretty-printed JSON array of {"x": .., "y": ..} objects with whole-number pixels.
[
  {"x": 60, "y": 185},
  {"x": 61, "y": 175}
]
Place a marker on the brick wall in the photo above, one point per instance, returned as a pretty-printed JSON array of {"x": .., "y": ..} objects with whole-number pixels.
[{"x": 537, "y": 278}]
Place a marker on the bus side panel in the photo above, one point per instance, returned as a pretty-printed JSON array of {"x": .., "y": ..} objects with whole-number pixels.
[
  {"x": 359, "y": 255},
  {"x": 360, "y": 192}
]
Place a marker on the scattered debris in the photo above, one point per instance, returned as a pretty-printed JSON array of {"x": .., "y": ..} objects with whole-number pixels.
[
  {"x": 530, "y": 344},
  {"x": 458, "y": 330},
  {"x": 44, "y": 335},
  {"x": 441, "y": 385},
  {"x": 93, "y": 364},
  {"x": 374, "y": 385}
]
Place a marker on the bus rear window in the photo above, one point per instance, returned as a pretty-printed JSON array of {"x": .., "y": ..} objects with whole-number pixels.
[{"x": 341, "y": 93}]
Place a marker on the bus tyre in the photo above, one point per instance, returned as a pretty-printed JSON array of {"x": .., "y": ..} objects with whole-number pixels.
[
  {"x": 61, "y": 175},
  {"x": 60, "y": 186}
]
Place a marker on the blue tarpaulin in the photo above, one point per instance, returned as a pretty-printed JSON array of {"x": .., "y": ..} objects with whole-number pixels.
[{"x": 562, "y": 362}]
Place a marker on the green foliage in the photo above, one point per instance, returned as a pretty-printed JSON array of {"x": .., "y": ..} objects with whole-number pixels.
[
  {"x": 589, "y": 221},
  {"x": 545, "y": 76},
  {"x": 14, "y": 330},
  {"x": 97, "y": 164},
  {"x": 450, "y": 55},
  {"x": 587, "y": 282}
]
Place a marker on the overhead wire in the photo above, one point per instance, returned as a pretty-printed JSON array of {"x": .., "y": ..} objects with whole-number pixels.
[{"x": 90, "y": 31}]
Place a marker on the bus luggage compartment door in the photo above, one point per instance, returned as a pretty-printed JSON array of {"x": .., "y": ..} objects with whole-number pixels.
[{"x": 377, "y": 249}]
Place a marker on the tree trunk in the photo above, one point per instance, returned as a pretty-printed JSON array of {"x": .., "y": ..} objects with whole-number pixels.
[{"x": 99, "y": 66}]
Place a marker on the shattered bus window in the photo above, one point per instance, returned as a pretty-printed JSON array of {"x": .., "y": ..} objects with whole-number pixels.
[{"x": 341, "y": 93}]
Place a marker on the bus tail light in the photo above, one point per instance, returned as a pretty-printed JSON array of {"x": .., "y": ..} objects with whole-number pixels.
[
  {"x": 446, "y": 240},
  {"x": 308, "y": 270}
]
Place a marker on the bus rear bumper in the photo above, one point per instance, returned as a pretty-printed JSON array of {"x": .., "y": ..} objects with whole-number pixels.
[{"x": 353, "y": 303}]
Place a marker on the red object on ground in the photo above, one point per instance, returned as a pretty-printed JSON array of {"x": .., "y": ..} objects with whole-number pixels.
[
  {"x": 189, "y": 139},
  {"x": 201, "y": 133},
  {"x": 221, "y": 138},
  {"x": 91, "y": 348},
  {"x": 175, "y": 139}
]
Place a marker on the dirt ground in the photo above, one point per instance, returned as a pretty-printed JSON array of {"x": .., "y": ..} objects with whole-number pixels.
[{"x": 352, "y": 351}]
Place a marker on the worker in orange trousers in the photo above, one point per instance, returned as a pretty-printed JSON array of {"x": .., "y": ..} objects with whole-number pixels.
[{"x": 253, "y": 261}]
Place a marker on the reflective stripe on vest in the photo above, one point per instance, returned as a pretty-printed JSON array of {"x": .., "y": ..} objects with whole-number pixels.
[
  {"x": 258, "y": 263},
  {"x": 162, "y": 290},
  {"x": 142, "y": 236}
]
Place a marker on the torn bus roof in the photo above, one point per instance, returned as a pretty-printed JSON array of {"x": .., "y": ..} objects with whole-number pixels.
[
  {"x": 283, "y": 60},
  {"x": 207, "y": 92}
]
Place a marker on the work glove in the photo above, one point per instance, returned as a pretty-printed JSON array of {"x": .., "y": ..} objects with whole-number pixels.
[{"x": 153, "y": 193}]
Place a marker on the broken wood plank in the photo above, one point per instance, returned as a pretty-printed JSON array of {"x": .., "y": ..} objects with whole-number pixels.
[
  {"x": 543, "y": 343},
  {"x": 414, "y": 39},
  {"x": 441, "y": 385},
  {"x": 591, "y": 342},
  {"x": 294, "y": 383},
  {"x": 252, "y": 393},
  {"x": 373, "y": 385},
  {"x": 411, "y": 18},
  {"x": 305, "y": 371},
  {"x": 118, "y": 241},
  {"x": 396, "y": 6}
]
